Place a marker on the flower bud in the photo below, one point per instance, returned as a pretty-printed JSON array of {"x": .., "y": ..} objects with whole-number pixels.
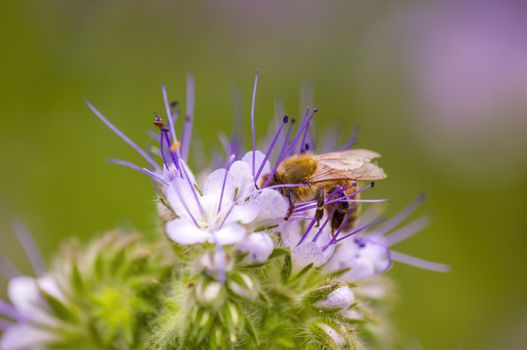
[
  {"x": 341, "y": 298},
  {"x": 215, "y": 264},
  {"x": 258, "y": 247},
  {"x": 242, "y": 285},
  {"x": 208, "y": 292},
  {"x": 329, "y": 335}
]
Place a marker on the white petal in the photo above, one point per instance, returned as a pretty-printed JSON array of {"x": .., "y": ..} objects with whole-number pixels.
[
  {"x": 258, "y": 247},
  {"x": 242, "y": 173},
  {"x": 229, "y": 234},
  {"x": 49, "y": 285},
  {"x": 245, "y": 212},
  {"x": 379, "y": 255},
  {"x": 23, "y": 293},
  {"x": 259, "y": 157},
  {"x": 352, "y": 314},
  {"x": 310, "y": 252},
  {"x": 273, "y": 208},
  {"x": 188, "y": 171},
  {"x": 25, "y": 337},
  {"x": 374, "y": 288},
  {"x": 179, "y": 194},
  {"x": 183, "y": 231},
  {"x": 290, "y": 233},
  {"x": 214, "y": 184}
]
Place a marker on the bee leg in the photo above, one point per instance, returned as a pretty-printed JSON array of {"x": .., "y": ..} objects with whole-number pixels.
[
  {"x": 342, "y": 209},
  {"x": 292, "y": 200},
  {"x": 320, "y": 206}
]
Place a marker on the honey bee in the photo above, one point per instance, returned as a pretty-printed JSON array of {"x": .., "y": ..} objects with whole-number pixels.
[{"x": 324, "y": 177}]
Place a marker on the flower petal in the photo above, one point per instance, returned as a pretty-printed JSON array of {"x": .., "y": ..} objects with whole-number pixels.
[
  {"x": 258, "y": 159},
  {"x": 214, "y": 184},
  {"x": 363, "y": 257},
  {"x": 310, "y": 252},
  {"x": 242, "y": 173},
  {"x": 272, "y": 208},
  {"x": 290, "y": 233},
  {"x": 23, "y": 336},
  {"x": 180, "y": 196},
  {"x": 184, "y": 232},
  {"x": 340, "y": 298},
  {"x": 23, "y": 293},
  {"x": 258, "y": 247},
  {"x": 245, "y": 212},
  {"x": 229, "y": 234}
]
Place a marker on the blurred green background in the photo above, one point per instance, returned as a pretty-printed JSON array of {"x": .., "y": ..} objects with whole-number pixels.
[{"x": 440, "y": 89}]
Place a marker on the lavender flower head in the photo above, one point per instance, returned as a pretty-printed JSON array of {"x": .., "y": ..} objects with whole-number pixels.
[{"x": 238, "y": 253}]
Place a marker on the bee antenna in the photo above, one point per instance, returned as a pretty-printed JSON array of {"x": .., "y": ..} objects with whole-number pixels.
[{"x": 285, "y": 119}]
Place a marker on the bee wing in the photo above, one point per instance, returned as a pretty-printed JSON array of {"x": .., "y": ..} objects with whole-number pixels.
[{"x": 348, "y": 165}]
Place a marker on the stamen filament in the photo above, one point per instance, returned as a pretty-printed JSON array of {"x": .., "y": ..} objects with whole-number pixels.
[
  {"x": 330, "y": 215},
  {"x": 169, "y": 115},
  {"x": 127, "y": 164},
  {"x": 8, "y": 269},
  {"x": 306, "y": 129},
  {"x": 403, "y": 214},
  {"x": 362, "y": 228},
  {"x": 417, "y": 262},
  {"x": 288, "y": 150},
  {"x": 348, "y": 145},
  {"x": 271, "y": 147},
  {"x": 309, "y": 227},
  {"x": 282, "y": 153},
  {"x": 194, "y": 192},
  {"x": 125, "y": 138},
  {"x": 178, "y": 193},
  {"x": 407, "y": 231},
  {"x": 189, "y": 118},
  {"x": 253, "y": 133},
  {"x": 10, "y": 311},
  {"x": 29, "y": 246},
  {"x": 227, "y": 167}
]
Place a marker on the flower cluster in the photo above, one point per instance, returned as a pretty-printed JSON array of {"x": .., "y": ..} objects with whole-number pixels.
[{"x": 247, "y": 266}]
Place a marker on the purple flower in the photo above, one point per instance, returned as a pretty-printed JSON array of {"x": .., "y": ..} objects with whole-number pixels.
[
  {"x": 365, "y": 250},
  {"x": 29, "y": 324},
  {"x": 233, "y": 205}
]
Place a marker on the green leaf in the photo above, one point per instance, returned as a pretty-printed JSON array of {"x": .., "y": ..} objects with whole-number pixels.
[
  {"x": 287, "y": 267},
  {"x": 249, "y": 327},
  {"x": 304, "y": 271},
  {"x": 60, "y": 310},
  {"x": 278, "y": 252},
  {"x": 265, "y": 228},
  {"x": 76, "y": 279},
  {"x": 336, "y": 274},
  {"x": 320, "y": 293}
]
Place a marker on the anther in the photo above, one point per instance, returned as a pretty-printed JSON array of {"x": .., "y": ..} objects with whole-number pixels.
[
  {"x": 158, "y": 121},
  {"x": 174, "y": 147}
]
